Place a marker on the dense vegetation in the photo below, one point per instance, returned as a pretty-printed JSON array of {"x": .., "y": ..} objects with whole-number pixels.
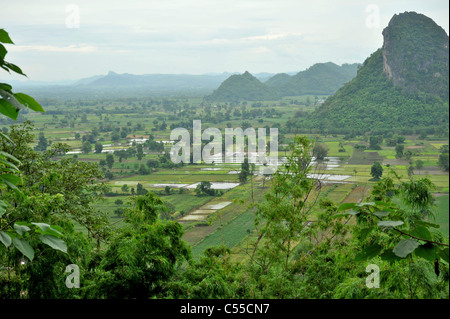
[
  {"x": 298, "y": 238},
  {"x": 243, "y": 87},
  {"x": 416, "y": 54},
  {"x": 319, "y": 79},
  {"x": 370, "y": 102}
]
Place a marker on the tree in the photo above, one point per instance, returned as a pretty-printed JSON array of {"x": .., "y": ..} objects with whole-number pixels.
[
  {"x": 124, "y": 188},
  {"x": 42, "y": 143},
  {"x": 140, "y": 190},
  {"x": 143, "y": 256},
  {"x": 245, "y": 171},
  {"x": 443, "y": 161},
  {"x": 205, "y": 189},
  {"x": 399, "y": 150},
  {"x": 86, "y": 147},
  {"x": 320, "y": 151},
  {"x": 98, "y": 148},
  {"x": 139, "y": 152},
  {"x": 419, "y": 164},
  {"x": 14, "y": 230},
  {"x": 118, "y": 202},
  {"x": 109, "y": 160},
  {"x": 376, "y": 171}
]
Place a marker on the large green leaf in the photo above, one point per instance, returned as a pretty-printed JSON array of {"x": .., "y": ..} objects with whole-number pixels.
[
  {"x": 14, "y": 67},
  {"x": 4, "y": 37},
  {"x": 3, "y": 52},
  {"x": 29, "y": 102},
  {"x": 5, "y": 239},
  {"x": 21, "y": 229},
  {"x": 427, "y": 251},
  {"x": 9, "y": 155},
  {"x": 365, "y": 232},
  {"x": 3, "y": 206},
  {"x": 381, "y": 214},
  {"x": 54, "y": 242},
  {"x": 389, "y": 256},
  {"x": 8, "y": 109},
  {"x": 369, "y": 252},
  {"x": 365, "y": 204},
  {"x": 46, "y": 229},
  {"x": 24, "y": 247},
  {"x": 346, "y": 206},
  {"x": 427, "y": 224},
  {"x": 390, "y": 223},
  {"x": 443, "y": 253},
  {"x": 13, "y": 179},
  {"x": 422, "y": 232},
  {"x": 405, "y": 247}
]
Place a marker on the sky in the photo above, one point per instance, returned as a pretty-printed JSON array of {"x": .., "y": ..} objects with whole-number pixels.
[{"x": 58, "y": 40}]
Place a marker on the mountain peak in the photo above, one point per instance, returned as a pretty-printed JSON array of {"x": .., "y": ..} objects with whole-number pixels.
[{"x": 416, "y": 54}]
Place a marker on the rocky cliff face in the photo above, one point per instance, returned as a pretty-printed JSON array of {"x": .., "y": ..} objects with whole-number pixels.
[{"x": 416, "y": 54}]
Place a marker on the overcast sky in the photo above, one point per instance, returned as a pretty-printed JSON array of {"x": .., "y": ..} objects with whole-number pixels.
[{"x": 64, "y": 40}]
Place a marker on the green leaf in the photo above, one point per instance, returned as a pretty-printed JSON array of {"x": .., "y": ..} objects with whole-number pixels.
[
  {"x": 4, "y": 37},
  {"x": 54, "y": 242},
  {"x": 390, "y": 223},
  {"x": 5, "y": 239},
  {"x": 3, "y": 52},
  {"x": 24, "y": 247},
  {"x": 390, "y": 256},
  {"x": 443, "y": 253},
  {"x": 405, "y": 247},
  {"x": 8, "y": 110},
  {"x": 9, "y": 156},
  {"x": 13, "y": 187},
  {"x": 5, "y": 86},
  {"x": 3, "y": 207},
  {"x": 369, "y": 252},
  {"x": 427, "y": 251},
  {"x": 381, "y": 214},
  {"x": 46, "y": 229},
  {"x": 427, "y": 224},
  {"x": 366, "y": 204},
  {"x": 14, "y": 67},
  {"x": 346, "y": 206},
  {"x": 380, "y": 203},
  {"x": 21, "y": 229},
  {"x": 29, "y": 102},
  {"x": 422, "y": 232},
  {"x": 365, "y": 232},
  {"x": 13, "y": 179}
]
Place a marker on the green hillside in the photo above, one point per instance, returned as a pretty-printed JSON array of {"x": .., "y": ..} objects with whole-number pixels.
[
  {"x": 392, "y": 92},
  {"x": 320, "y": 79},
  {"x": 243, "y": 87}
]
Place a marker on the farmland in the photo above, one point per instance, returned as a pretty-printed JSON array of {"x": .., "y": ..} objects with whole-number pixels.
[{"x": 135, "y": 133}]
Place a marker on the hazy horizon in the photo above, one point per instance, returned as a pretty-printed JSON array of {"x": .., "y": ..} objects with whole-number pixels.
[{"x": 65, "y": 40}]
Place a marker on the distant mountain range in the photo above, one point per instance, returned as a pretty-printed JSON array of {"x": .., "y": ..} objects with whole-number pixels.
[
  {"x": 319, "y": 79},
  {"x": 114, "y": 85}
]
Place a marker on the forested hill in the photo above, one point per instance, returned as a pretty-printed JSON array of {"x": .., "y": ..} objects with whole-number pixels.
[
  {"x": 243, "y": 87},
  {"x": 320, "y": 79},
  {"x": 404, "y": 84}
]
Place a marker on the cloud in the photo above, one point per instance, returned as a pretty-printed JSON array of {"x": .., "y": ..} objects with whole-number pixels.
[{"x": 52, "y": 48}]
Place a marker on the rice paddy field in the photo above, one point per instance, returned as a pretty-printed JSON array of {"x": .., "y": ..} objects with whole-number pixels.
[{"x": 228, "y": 217}]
